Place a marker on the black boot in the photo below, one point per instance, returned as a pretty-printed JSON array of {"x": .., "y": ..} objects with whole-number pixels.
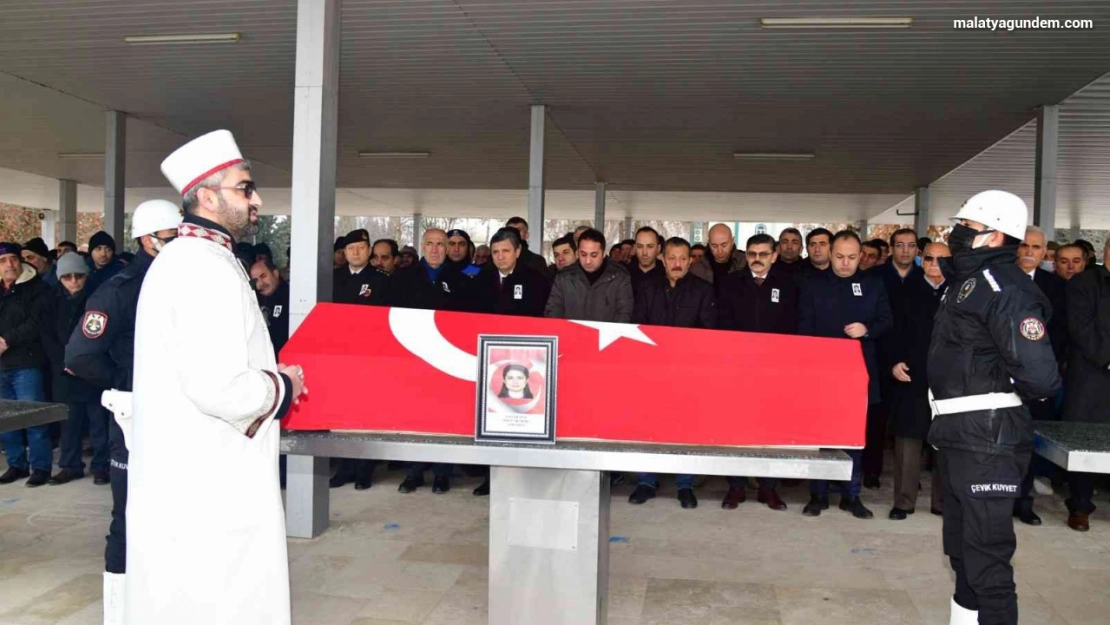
[
  {"x": 642, "y": 493},
  {"x": 687, "y": 499},
  {"x": 816, "y": 504},
  {"x": 441, "y": 484},
  {"x": 410, "y": 484},
  {"x": 483, "y": 489},
  {"x": 856, "y": 507},
  {"x": 13, "y": 474},
  {"x": 66, "y": 476},
  {"x": 38, "y": 478}
]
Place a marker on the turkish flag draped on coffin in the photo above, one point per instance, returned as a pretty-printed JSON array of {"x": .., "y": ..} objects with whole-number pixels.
[{"x": 402, "y": 370}]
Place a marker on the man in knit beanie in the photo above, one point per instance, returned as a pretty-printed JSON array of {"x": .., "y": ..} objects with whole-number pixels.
[
  {"x": 102, "y": 250},
  {"x": 36, "y": 255}
]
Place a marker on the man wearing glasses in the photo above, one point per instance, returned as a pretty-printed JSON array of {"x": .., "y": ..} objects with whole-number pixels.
[
  {"x": 206, "y": 536},
  {"x": 764, "y": 299},
  {"x": 913, "y": 329},
  {"x": 895, "y": 275}
]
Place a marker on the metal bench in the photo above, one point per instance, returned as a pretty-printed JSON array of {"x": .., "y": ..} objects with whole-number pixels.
[
  {"x": 1081, "y": 447},
  {"x": 549, "y": 505},
  {"x": 17, "y": 415}
]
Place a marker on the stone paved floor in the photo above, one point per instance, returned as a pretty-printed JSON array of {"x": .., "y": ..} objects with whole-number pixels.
[{"x": 390, "y": 559}]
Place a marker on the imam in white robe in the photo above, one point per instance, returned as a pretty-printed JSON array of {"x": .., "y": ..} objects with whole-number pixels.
[{"x": 205, "y": 523}]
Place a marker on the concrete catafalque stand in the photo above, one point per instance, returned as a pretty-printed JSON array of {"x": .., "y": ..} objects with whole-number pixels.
[{"x": 549, "y": 505}]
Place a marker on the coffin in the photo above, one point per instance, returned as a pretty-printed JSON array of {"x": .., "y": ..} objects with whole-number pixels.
[{"x": 383, "y": 369}]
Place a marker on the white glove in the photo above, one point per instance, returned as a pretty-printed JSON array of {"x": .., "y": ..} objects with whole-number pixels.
[{"x": 119, "y": 402}]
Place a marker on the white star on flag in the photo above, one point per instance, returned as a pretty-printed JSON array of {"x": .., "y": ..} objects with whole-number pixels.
[{"x": 608, "y": 333}]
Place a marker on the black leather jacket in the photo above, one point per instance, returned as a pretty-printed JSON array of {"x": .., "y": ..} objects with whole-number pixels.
[{"x": 989, "y": 336}]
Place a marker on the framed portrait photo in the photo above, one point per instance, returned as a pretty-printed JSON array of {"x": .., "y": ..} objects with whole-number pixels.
[{"x": 516, "y": 388}]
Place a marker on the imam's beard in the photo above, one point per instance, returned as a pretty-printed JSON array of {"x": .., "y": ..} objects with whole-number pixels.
[{"x": 238, "y": 224}]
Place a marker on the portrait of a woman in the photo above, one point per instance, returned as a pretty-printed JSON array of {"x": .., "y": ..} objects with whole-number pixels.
[{"x": 514, "y": 383}]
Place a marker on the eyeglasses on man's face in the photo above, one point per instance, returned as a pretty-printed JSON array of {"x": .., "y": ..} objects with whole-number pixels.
[{"x": 247, "y": 187}]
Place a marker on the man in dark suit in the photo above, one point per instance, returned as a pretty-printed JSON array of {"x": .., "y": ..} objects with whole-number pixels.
[
  {"x": 763, "y": 299},
  {"x": 430, "y": 284},
  {"x": 646, "y": 264},
  {"x": 909, "y": 349},
  {"x": 528, "y": 257},
  {"x": 1031, "y": 253},
  {"x": 1088, "y": 380},
  {"x": 901, "y": 270},
  {"x": 846, "y": 303},
  {"x": 509, "y": 287},
  {"x": 682, "y": 300}
]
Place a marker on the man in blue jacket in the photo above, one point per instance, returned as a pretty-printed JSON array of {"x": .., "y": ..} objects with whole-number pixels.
[{"x": 844, "y": 303}]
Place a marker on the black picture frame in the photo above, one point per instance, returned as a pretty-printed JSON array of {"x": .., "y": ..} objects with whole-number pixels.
[{"x": 504, "y": 414}]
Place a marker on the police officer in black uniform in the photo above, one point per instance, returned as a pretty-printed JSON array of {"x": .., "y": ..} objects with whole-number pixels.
[
  {"x": 989, "y": 352},
  {"x": 357, "y": 282},
  {"x": 101, "y": 352}
]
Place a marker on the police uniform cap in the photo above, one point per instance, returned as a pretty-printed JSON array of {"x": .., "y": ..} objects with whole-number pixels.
[{"x": 354, "y": 236}]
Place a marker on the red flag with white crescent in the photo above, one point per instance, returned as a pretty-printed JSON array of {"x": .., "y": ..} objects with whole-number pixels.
[{"x": 402, "y": 370}]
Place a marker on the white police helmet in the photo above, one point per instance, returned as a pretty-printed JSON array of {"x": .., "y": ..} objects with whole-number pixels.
[
  {"x": 997, "y": 210},
  {"x": 154, "y": 215}
]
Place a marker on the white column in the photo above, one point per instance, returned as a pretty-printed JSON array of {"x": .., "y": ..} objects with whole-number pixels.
[
  {"x": 418, "y": 233},
  {"x": 921, "y": 211},
  {"x": 67, "y": 211},
  {"x": 626, "y": 232},
  {"x": 114, "y": 161},
  {"x": 535, "y": 180},
  {"x": 600, "y": 189},
  {"x": 1044, "y": 185},
  {"x": 48, "y": 223},
  {"x": 315, "y": 113}
]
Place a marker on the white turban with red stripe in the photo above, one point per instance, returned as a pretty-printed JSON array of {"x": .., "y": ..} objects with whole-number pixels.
[{"x": 201, "y": 158}]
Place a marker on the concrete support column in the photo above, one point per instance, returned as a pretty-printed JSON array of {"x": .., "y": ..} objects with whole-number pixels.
[
  {"x": 1044, "y": 186},
  {"x": 315, "y": 113},
  {"x": 921, "y": 211},
  {"x": 626, "y": 231},
  {"x": 535, "y": 180},
  {"x": 114, "y": 162},
  {"x": 67, "y": 211},
  {"x": 417, "y": 232},
  {"x": 48, "y": 225},
  {"x": 600, "y": 189},
  {"x": 861, "y": 229}
]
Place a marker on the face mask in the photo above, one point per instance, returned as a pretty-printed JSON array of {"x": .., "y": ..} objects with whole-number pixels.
[
  {"x": 160, "y": 244},
  {"x": 961, "y": 238},
  {"x": 1048, "y": 265},
  {"x": 964, "y": 239}
]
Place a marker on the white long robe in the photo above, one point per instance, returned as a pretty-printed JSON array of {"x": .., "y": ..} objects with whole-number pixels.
[{"x": 205, "y": 523}]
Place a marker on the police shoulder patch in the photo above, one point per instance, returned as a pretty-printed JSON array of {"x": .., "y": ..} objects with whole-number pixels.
[
  {"x": 94, "y": 323},
  {"x": 1032, "y": 329},
  {"x": 966, "y": 290}
]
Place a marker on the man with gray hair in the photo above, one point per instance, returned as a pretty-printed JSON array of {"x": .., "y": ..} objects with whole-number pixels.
[
  {"x": 430, "y": 284},
  {"x": 1031, "y": 253}
]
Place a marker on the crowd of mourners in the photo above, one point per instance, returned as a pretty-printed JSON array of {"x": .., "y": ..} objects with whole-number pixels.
[{"x": 881, "y": 293}]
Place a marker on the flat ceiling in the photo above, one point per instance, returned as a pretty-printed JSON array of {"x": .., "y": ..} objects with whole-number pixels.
[{"x": 650, "y": 96}]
